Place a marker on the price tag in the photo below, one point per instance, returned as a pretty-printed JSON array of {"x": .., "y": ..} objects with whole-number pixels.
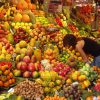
[
  {"x": 57, "y": 93},
  {"x": 38, "y": 98},
  {"x": 14, "y": 55},
  {"x": 55, "y": 6},
  {"x": 11, "y": 31}
]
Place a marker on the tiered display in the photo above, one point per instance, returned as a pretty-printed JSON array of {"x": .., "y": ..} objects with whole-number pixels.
[{"x": 34, "y": 64}]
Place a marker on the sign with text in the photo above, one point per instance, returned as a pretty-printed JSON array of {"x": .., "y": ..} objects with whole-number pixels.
[{"x": 55, "y": 6}]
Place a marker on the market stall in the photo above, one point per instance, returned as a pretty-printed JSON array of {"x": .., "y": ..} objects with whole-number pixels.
[{"x": 34, "y": 64}]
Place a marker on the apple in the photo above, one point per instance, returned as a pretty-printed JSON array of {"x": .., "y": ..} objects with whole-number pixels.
[
  {"x": 19, "y": 65},
  {"x": 33, "y": 59},
  {"x": 26, "y": 59},
  {"x": 17, "y": 73},
  {"x": 35, "y": 74},
  {"x": 7, "y": 45},
  {"x": 29, "y": 52},
  {"x": 22, "y": 66},
  {"x": 39, "y": 66},
  {"x": 31, "y": 67},
  {"x": 26, "y": 74}
]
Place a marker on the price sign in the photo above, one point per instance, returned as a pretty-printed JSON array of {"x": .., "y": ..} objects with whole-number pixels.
[{"x": 55, "y": 6}]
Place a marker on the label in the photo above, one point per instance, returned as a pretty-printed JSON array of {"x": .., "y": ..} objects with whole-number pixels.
[
  {"x": 38, "y": 98},
  {"x": 55, "y": 6}
]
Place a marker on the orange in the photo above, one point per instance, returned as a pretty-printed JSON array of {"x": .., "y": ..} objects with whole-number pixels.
[
  {"x": 98, "y": 97},
  {"x": 13, "y": 80},
  {"x": 3, "y": 68},
  {"x": 1, "y": 83},
  {"x": 10, "y": 81},
  {"x": 11, "y": 75},
  {"x": 6, "y": 84},
  {"x": 8, "y": 77},
  {"x": 6, "y": 72},
  {"x": 3, "y": 79},
  {"x": 89, "y": 98}
]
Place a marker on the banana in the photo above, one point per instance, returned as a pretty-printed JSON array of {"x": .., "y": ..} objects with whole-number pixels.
[
  {"x": 2, "y": 97},
  {"x": 1, "y": 8}
]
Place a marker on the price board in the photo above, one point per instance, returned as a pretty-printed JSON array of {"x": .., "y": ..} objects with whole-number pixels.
[{"x": 55, "y": 6}]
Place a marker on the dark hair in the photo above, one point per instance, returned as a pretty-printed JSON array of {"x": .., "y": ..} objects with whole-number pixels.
[{"x": 69, "y": 40}]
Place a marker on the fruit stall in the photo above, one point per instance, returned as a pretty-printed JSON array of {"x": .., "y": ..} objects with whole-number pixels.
[{"x": 34, "y": 64}]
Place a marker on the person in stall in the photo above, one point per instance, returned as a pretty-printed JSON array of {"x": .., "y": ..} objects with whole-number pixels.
[{"x": 84, "y": 46}]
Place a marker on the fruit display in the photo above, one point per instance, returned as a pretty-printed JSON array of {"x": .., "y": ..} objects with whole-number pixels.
[
  {"x": 97, "y": 87},
  {"x": 43, "y": 20},
  {"x": 86, "y": 70},
  {"x": 62, "y": 69},
  {"x": 50, "y": 80},
  {"x": 73, "y": 91},
  {"x": 29, "y": 90},
  {"x": 84, "y": 13},
  {"x": 10, "y": 96},
  {"x": 39, "y": 33},
  {"x": 81, "y": 78},
  {"x": 6, "y": 76},
  {"x": 26, "y": 61},
  {"x": 26, "y": 26},
  {"x": 34, "y": 64},
  {"x": 55, "y": 98},
  {"x": 21, "y": 34}
]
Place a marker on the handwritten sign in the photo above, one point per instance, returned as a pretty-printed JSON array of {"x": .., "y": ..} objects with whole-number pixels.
[{"x": 55, "y": 6}]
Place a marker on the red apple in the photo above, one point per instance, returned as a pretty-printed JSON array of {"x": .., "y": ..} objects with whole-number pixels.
[
  {"x": 26, "y": 74},
  {"x": 33, "y": 59},
  {"x": 26, "y": 59},
  {"x": 39, "y": 66},
  {"x": 22, "y": 66},
  {"x": 29, "y": 52},
  {"x": 31, "y": 67},
  {"x": 7, "y": 46},
  {"x": 19, "y": 65}
]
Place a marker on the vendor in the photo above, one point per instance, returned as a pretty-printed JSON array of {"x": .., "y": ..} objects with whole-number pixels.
[{"x": 84, "y": 46}]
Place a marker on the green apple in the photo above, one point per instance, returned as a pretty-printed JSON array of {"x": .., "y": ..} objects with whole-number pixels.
[
  {"x": 35, "y": 74},
  {"x": 17, "y": 73}
]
